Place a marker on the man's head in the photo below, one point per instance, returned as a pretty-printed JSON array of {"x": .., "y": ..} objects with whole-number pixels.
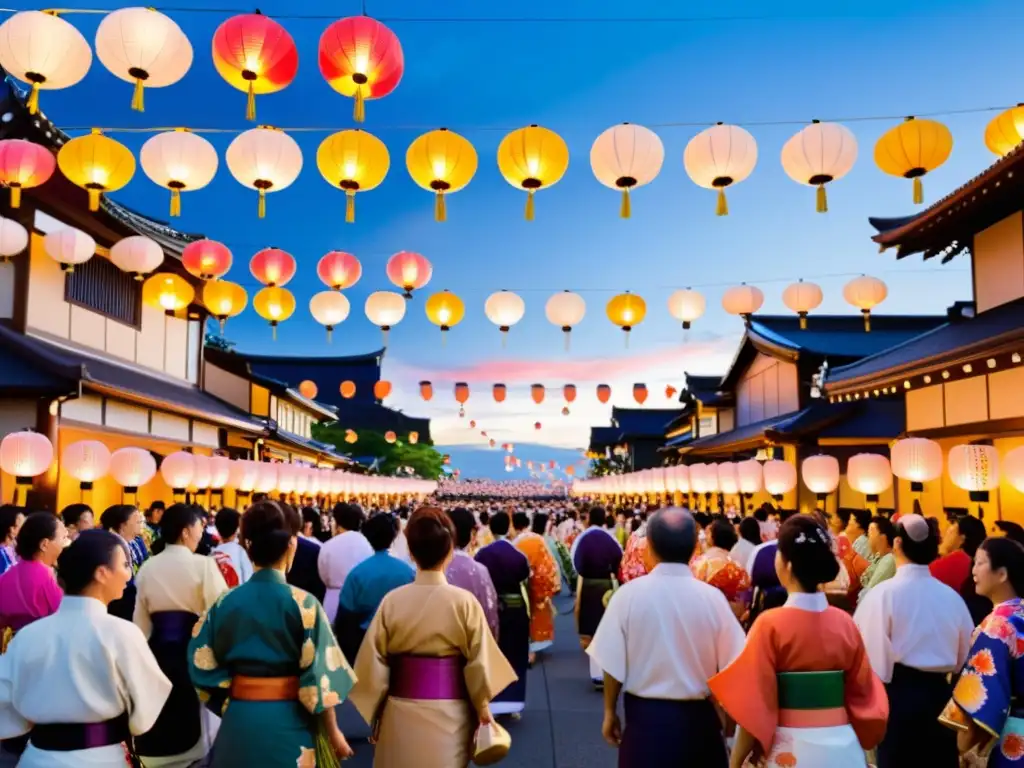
[
  {"x": 596, "y": 517},
  {"x": 520, "y": 521},
  {"x": 155, "y": 512},
  {"x": 500, "y": 523},
  {"x": 381, "y": 530},
  {"x": 348, "y": 517},
  {"x": 671, "y": 535}
]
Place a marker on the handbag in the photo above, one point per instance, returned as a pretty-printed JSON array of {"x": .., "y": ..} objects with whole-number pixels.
[{"x": 490, "y": 744}]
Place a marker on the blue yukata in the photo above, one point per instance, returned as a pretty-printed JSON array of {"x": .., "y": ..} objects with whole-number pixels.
[{"x": 365, "y": 588}]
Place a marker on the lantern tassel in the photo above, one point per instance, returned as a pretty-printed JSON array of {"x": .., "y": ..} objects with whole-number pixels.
[
  {"x": 440, "y": 212},
  {"x": 138, "y": 99},
  {"x": 250, "y": 104},
  {"x": 626, "y": 345},
  {"x": 330, "y": 332},
  {"x": 15, "y": 197},
  {"x": 568, "y": 336},
  {"x": 262, "y": 206},
  {"x": 223, "y": 320},
  {"x": 918, "y": 191},
  {"x": 350, "y": 207},
  {"x": 867, "y": 319},
  {"x": 94, "y": 199},
  {"x": 504, "y": 339},
  {"x": 722, "y": 209},
  {"x": 529, "y": 205},
  {"x": 822, "y": 206},
  {"x": 33, "y": 100},
  {"x": 625, "y": 211},
  {"x": 273, "y": 331},
  {"x": 359, "y": 110},
  {"x": 175, "y": 202}
]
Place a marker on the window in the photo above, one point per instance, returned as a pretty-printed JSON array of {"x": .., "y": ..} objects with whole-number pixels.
[{"x": 100, "y": 286}]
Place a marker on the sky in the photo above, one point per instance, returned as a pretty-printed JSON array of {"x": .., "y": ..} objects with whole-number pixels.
[{"x": 748, "y": 63}]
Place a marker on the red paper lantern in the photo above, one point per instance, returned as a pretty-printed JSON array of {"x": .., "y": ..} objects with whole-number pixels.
[
  {"x": 308, "y": 389},
  {"x": 472, "y": 423},
  {"x": 206, "y": 259},
  {"x": 537, "y": 393},
  {"x": 339, "y": 270},
  {"x": 256, "y": 55},
  {"x": 640, "y": 393},
  {"x": 273, "y": 267},
  {"x": 23, "y": 165},
  {"x": 536, "y": 425},
  {"x": 499, "y": 393},
  {"x": 426, "y": 390},
  {"x": 461, "y": 392},
  {"x": 381, "y": 389},
  {"x": 569, "y": 390},
  {"x": 604, "y": 392},
  {"x": 362, "y": 59},
  {"x": 670, "y": 392},
  {"x": 409, "y": 271}
]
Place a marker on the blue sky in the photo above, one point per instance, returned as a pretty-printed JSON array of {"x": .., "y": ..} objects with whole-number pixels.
[{"x": 745, "y": 62}]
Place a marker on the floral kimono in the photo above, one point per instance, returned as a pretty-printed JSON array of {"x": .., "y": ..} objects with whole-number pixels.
[
  {"x": 266, "y": 630},
  {"x": 988, "y": 689},
  {"x": 544, "y": 583},
  {"x": 633, "y": 565},
  {"x": 719, "y": 570}
]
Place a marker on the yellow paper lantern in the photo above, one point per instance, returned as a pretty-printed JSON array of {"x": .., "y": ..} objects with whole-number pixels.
[
  {"x": 1006, "y": 131},
  {"x": 355, "y": 161},
  {"x": 865, "y": 293},
  {"x": 626, "y": 310},
  {"x": 532, "y": 158},
  {"x": 224, "y": 299},
  {"x": 912, "y": 149},
  {"x": 97, "y": 164},
  {"x": 443, "y": 162},
  {"x": 167, "y": 291},
  {"x": 347, "y": 389},
  {"x": 390, "y": 437},
  {"x": 445, "y": 310},
  {"x": 275, "y": 305}
]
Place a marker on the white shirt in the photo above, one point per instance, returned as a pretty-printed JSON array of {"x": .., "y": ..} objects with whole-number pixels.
[
  {"x": 665, "y": 635},
  {"x": 80, "y": 665},
  {"x": 741, "y": 551},
  {"x": 239, "y": 559},
  {"x": 915, "y": 620},
  {"x": 337, "y": 559}
]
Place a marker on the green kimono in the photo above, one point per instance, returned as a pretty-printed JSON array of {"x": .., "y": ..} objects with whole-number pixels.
[{"x": 266, "y": 628}]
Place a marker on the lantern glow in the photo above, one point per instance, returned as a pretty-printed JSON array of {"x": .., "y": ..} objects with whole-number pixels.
[
  {"x": 137, "y": 255},
  {"x": 180, "y": 161},
  {"x": 865, "y": 293},
  {"x": 917, "y": 460},
  {"x": 566, "y": 310},
  {"x": 532, "y": 158},
  {"x": 256, "y": 55},
  {"x": 870, "y": 474},
  {"x": 24, "y": 165},
  {"x": 275, "y": 305},
  {"x": 818, "y": 155},
  {"x": 96, "y": 163},
  {"x": 409, "y": 271},
  {"x": 225, "y": 300},
  {"x": 354, "y": 161},
  {"x": 718, "y": 157},
  {"x": 443, "y": 162},
  {"x": 362, "y": 59},
  {"x": 273, "y": 267},
  {"x": 625, "y": 157},
  {"x": 626, "y": 311},
  {"x": 913, "y": 149},
  {"x": 168, "y": 292},
  {"x": 329, "y": 308},
  {"x": 265, "y": 159},
  {"x": 206, "y": 259}
]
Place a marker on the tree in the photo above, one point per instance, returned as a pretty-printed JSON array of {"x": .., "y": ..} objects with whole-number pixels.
[
  {"x": 422, "y": 458},
  {"x": 612, "y": 465}
]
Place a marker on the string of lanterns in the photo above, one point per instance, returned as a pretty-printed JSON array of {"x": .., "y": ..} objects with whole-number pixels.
[{"x": 538, "y": 393}]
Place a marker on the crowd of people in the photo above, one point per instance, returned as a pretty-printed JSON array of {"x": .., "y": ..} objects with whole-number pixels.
[{"x": 778, "y": 639}]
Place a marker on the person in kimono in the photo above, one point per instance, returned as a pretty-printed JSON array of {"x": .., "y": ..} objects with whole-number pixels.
[
  {"x": 347, "y": 549},
  {"x": 959, "y": 544},
  {"x": 264, "y": 659},
  {"x": 634, "y": 558},
  {"x": 717, "y": 568},
  {"x": 544, "y": 583},
  {"x": 150, "y": 529},
  {"x": 368, "y": 583},
  {"x": 881, "y": 536},
  {"x": 855, "y": 565},
  {"x": 11, "y": 518},
  {"x": 429, "y": 667},
  {"x": 984, "y": 709},
  {"x": 596, "y": 556},
  {"x": 126, "y": 522},
  {"x": 510, "y": 572},
  {"x": 558, "y": 551},
  {"x": 463, "y": 571},
  {"x": 304, "y": 572},
  {"x": 82, "y": 682},
  {"x": 857, "y": 533},
  {"x": 803, "y": 692},
  {"x": 77, "y": 518},
  {"x": 229, "y": 523},
  {"x": 174, "y": 588}
]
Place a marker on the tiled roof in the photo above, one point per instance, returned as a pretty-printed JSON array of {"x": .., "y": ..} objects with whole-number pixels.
[
  {"x": 707, "y": 390},
  {"x": 601, "y": 437},
  {"x": 643, "y": 422},
  {"x": 734, "y": 439},
  {"x": 315, "y": 446},
  {"x": 860, "y": 419}
]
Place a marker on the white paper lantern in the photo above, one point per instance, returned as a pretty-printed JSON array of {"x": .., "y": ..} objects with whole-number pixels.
[
  {"x": 220, "y": 471},
  {"x": 818, "y": 155},
  {"x": 202, "y": 472},
  {"x": 266, "y": 477},
  {"x": 144, "y": 47},
  {"x": 728, "y": 479},
  {"x": 779, "y": 477},
  {"x": 177, "y": 469},
  {"x": 686, "y": 306},
  {"x": 44, "y": 50},
  {"x": 180, "y": 161},
  {"x": 13, "y": 239},
  {"x": 865, "y": 293},
  {"x": 25, "y": 454},
  {"x": 286, "y": 478},
  {"x": 625, "y": 157},
  {"x": 1013, "y": 468},
  {"x": 132, "y": 468},
  {"x": 821, "y": 474},
  {"x": 385, "y": 309},
  {"x": 86, "y": 460},
  {"x": 682, "y": 478},
  {"x": 504, "y": 309},
  {"x": 801, "y": 298},
  {"x": 301, "y": 480},
  {"x": 870, "y": 474},
  {"x": 918, "y": 460},
  {"x": 566, "y": 310},
  {"x": 750, "y": 475},
  {"x": 974, "y": 468},
  {"x": 743, "y": 300},
  {"x": 718, "y": 157},
  {"x": 329, "y": 308},
  {"x": 265, "y": 159},
  {"x": 69, "y": 247},
  {"x": 242, "y": 475},
  {"x": 137, "y": 255}
]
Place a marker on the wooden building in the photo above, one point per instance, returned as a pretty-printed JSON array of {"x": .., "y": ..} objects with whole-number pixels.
[{"x": 637, "y": 433}]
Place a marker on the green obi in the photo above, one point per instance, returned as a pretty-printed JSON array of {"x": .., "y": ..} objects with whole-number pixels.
[{"x": 811, "y": 690}]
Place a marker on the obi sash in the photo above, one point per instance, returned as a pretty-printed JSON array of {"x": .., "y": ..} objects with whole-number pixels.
[
  {"x": 431, "y": 678},
  {"x": 172, "y": 627},
  {"x": 516, "y": 600},
  {"x": 610, "y": 585},
  {"x": 812, "y": 699},
  {"x": 69, "y": 737},
  {"x": 244, "y": 688}
]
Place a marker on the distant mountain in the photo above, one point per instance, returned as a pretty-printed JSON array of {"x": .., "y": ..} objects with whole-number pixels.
[{"x": 489, "y": 463}]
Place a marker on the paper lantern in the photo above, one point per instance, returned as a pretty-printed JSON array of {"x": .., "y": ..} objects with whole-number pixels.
[
  {"x": 266, "y": 477},
  {"x": 347, "y": 389},
  {"x": 445, "y": 310},
  {"x": 504, "y": 309},
  {"x": 256, "y": 55},
  {"x": 168, "y": 292},
  {"x": 820, "y": 474},
  {"x": 1013, "y": 467},
  {"x": 137, "y": 255},
  {"x": 180, "y": 161},
  {"x": 461, "y": 392},
  {"x": 818, "y": 155},
  {"x": 273, "y": 267},
  {"x": 625, "y": 157},
  {"x": 177, "y": 469},
  {"x": 749, "y": 476},
  {"x": 779, "y": 477},
  {"x": 329, "y": 308},
  {"x": 350, "y": 436},
  {"x": 69, "y": 247},
  {"x": 24, "y": 164},
  {"x": 25, "y": 455},
  {"x": 626, "y": 311},
  {"x": 390, "y": 437},
  {"x": 409, "y": 271},
  {"x": 640, "y": 393},
  {"x": 354, "y": 161},
  {"x": 201, "y": 473},
  {"x": 974, "y": 468},
  {"x": 743, "y": 300},
  {"x": 801, "y": 298},
  {"x": 869, "y": 473},
  {"x": 96, "y": 163},
  {"x": 566, "y": 310},
  {"x": 144, "y": 47},
  {"x": 686, "y": 306},
  {"x": 532, "y": 158},
  {"x": 286, "y": 478},
  {"x": 472, "y": 423},
  {"x": 569, "y": 392},
  {"x": 670, "y": 392},
  {"x": 1005, "y": 131},
  {"x": 220, "y": 472},
  {"x": 718, "y": 157},
  {"x": 499, "y": 391},
  {"x": 912, "y": 149},
  {"x": 916, "y": 459},
  {"x": 381, "y": 389},
  {"x": 40, "y": 48},
  {"x": 426, "y": 391},
  {"x": 604, "y": 392},
  {"x": 865, "y": 293},
  {"x": 565, "y": 410},
  {"x": 224, "y": 300},
  {"x": 308, "y": 389},
  {"x": 87, "y": 461},
  {"x": 242, "y": 475},
  {"x": 206, "y": 259},
  {"x": 414, "y": 437},
  {"x": 275, "y": 305},
  {"x": 537, "y": 425},
  {"x": 362, "y": 59},
  {"x": 537, "y": 393},
  {"x": 339, "y": 270},
  {"x": 13, "y": 239},
  {"x": 728, "y": 479},
  {"x": 132, "y": 468},
  {"x": 700, "y": 480},
  {"x": 265, "y": 159},
  {"x": 385, "y": 309},
  {"x": 443, "y": 162}
]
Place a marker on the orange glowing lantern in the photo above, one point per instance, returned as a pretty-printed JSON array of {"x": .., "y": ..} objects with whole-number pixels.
[
  {"x": 390, "y": 437},
  {"x": 569, "y": 392},
  {"x": 308, "y": 389},
  {"x": 224, "y": 299},
  {"x": 275, "y": 305},
  {"x": 640, "y": 393},
  {"x": 96, "y": 163},
  {"x": 168, "y": 292},
  {"x": 339, "y": 270},
  {"x": 670, "y": 392},
  {"x": 491, "y": 442},
  {"x": 570, "y": 470},
  {"x": 347, "y": 389},
  {"x": 626, "y": 310},
  {"x": 414, "y": 437},
  {"x": 362, "y": 59},
  {"x": 254, "y": 54},
  {"x": 461, "y": 392},
  {"x": 381, "y": 389},
  {"x": 409, "y": 271},
  {"x": 206, "y": 259},
  {"x": 273, "y": 267},
  {"x": 426, "y": 390},
  {"x": 350, "y": 436},
  {"x": 537, "y": 393},
  {"x": 604, "y": 392},
  {"x": 500, "y": 391},
  {"x": 23, "y": 165},
  {"x": 353, "y": 161}
]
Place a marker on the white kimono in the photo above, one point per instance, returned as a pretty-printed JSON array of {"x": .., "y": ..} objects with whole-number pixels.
[
  {"x": 80, "y": 665},
  {"x": 338, "y": 556}
]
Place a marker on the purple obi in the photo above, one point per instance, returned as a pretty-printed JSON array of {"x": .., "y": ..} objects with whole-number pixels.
[
  {"x": 70, "y": 737},
  {"x": 432, "y": 678},
  {"x": 172, "y": 627}
]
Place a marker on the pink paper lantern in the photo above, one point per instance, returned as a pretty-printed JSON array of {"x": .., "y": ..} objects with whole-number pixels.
[
  {"x": 409, "y": 271},
  {"x": 339, "y": 270},
  {"x": 132, "y": 468},
  {"x": 870, "y": 474},
  {"x": 25, "y": 455},
  {"x": 273, "y": 267},
  {"x": 779, "y": 477},
  {"x": 206, "y": 259},
  {"x": 821, "y": 474},
  {"x": 87, "y": 461},
  {"x": 750, "y": 476},
  {"x": 202, "y": 472},
  {"x": 918, "y": 460},
  {"x": 24, "y": 165},
  {"x": 177, "y": 470},
  {"x": 220, "y": 471}
]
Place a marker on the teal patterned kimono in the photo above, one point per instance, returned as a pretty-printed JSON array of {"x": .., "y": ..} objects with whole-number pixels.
[{"x": 266, "y": 628}]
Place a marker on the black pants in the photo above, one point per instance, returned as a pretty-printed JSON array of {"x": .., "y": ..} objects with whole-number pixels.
[
  {"x": 671, "y": 734},
  {"x": 914, "y": 735}
]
